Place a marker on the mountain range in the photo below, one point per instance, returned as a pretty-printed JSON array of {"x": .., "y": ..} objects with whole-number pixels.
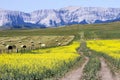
[{"x": 57, "y": 17}]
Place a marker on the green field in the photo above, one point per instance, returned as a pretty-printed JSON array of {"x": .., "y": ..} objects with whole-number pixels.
[{"x": 100, "y": 31}]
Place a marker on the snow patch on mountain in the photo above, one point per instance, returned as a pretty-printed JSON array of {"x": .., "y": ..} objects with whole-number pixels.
[{"x": 64, "y": 16}]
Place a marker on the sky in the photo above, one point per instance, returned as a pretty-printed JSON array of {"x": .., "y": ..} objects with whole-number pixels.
[{"x": 32, "y": 5}]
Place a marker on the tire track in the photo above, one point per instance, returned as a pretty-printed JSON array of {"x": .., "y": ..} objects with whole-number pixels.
[
  {"x": 75, "y": 74},
  {"x": 105, "y": 72}
]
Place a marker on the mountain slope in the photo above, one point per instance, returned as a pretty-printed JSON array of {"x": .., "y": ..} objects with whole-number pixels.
[{"x": 60, "y": 17}]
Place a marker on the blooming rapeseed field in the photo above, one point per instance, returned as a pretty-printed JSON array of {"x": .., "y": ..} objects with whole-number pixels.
[
  {"x": 109, "y": 49},
  {"x": 45, "y": 63}
]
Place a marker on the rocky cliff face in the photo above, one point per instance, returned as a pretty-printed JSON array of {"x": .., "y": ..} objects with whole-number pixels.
[{"x": 60, "y": 17}]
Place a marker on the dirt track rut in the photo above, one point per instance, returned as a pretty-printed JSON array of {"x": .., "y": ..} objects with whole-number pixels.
[
  {"x": 105, "y": 72},
  {"x": 75, "y": 74}
]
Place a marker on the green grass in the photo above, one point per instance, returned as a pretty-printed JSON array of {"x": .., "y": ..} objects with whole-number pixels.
[
  {"x": 90, "y": 72},
  {"x": 91, "y": 31}
]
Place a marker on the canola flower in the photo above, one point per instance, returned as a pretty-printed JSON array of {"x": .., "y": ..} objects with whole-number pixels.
[
  {"x": 61, "y": 49},
  {"x": 109, "y": 47},
  {"x": 45, "y": 63}
]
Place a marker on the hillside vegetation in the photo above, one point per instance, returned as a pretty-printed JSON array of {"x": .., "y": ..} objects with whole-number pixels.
[{"x": 99, "y": 31}]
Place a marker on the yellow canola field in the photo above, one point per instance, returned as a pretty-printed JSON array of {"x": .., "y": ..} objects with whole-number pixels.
[
  {"x": 109, "y": 47},
  {"x": 44, "y": 63},
  {"x": 61, "y": 49}
]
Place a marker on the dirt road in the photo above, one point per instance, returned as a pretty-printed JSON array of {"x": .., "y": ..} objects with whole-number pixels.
[
  {"x": 105, "y": 72},
  {"x": 75, "y": 74}
]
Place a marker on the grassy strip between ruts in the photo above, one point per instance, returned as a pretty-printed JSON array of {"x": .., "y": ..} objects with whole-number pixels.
[{"x": 93, "y": 66}]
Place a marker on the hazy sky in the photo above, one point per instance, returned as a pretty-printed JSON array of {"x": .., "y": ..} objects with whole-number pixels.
[{"x": 31, "y": 5}]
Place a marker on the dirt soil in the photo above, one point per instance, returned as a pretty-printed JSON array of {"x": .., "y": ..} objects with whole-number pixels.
[
  {"x": 75, "y": 74},
  {"x": 105, "y": 72}
]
